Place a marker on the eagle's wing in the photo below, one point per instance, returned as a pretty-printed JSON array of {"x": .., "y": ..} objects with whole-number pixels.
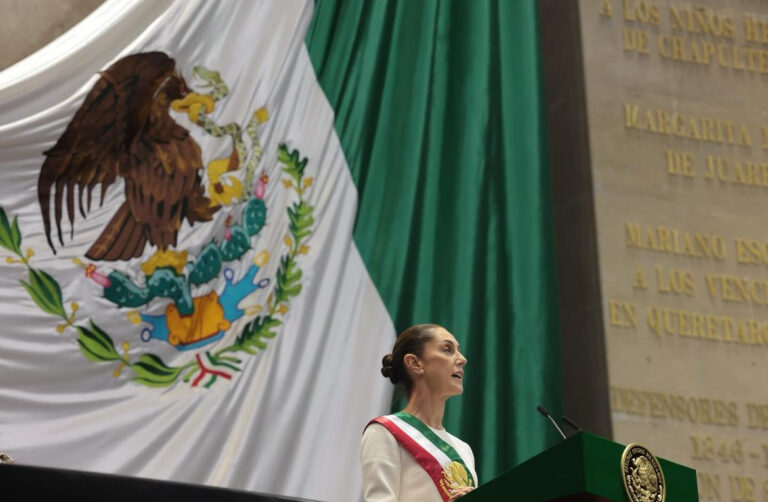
[
  {"x": 97, "y": 139},
  {"x": 169, "y": 189},
  {"x": 162, "y": 187}
]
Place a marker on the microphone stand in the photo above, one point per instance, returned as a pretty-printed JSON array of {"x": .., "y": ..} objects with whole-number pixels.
[{"x": 544, "y": 412}]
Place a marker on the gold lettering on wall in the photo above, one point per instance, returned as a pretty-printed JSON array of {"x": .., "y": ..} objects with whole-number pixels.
[
  {"x": 706, "y": 326},
  {"x": 680, "y": 163},
  {"x": 639, "y": 281},
  {"x": 668, "y": 240},
  {"x": 639, "y": 11},
  {"x": 709, "y": 486},
  {"x": 622, "y": 314},
  {"x": 701, "y": 21},
  {"x": 606, "y": 9},
  {"x": 680, "y": 408},
  {"x": 737, "y": 172},
  {"x": 742, "y": 488},
  {"x": 757, "y": 416},
  {"x": 680, "y": 169},
  {"x": 635, "y": 40},
  {"x": 678, "y": 125},
  {"x": 678, "y": 282}
]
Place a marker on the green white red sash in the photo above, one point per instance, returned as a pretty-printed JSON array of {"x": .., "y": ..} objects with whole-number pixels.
[{"x": 441, "y": 461}]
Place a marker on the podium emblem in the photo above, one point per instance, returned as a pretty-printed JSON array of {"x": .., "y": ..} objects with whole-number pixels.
[{"x": 642, "y": 475}]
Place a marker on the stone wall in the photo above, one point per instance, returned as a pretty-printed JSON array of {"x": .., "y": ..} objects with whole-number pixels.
[
  {"x": 28, "y": 25},
  {"x": 677, "y": 114}
]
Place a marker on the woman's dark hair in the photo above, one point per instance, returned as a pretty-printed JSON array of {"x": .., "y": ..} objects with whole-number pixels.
[{"x": 410, "y": 341}]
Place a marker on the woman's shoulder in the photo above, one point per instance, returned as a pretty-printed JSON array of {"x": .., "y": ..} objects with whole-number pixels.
[
  {"x": 376, "y": 432},
  {"x": 378, "y": 442}
]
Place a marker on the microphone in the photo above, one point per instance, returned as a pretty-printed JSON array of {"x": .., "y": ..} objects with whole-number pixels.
[
  {"x": 544, "y": 412},
  {"x": 571, "y": 423}
]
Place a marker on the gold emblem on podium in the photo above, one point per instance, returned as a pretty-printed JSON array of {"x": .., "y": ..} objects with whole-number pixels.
[{"x": 642, "y": 475}]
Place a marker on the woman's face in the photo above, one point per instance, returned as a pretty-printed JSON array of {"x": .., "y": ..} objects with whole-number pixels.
[{"x": 443, "y": 365}]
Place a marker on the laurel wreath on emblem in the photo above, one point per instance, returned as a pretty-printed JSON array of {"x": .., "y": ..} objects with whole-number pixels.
[{"x": 168, "y": 274}]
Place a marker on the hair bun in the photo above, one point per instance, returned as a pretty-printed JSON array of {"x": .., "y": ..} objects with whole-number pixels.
[{"x": 387, "y": 369}]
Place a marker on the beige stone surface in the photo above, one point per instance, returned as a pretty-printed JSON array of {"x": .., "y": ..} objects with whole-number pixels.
[
  {"x": 28, "y": 25},
  {"x": 632, "y": 184}
]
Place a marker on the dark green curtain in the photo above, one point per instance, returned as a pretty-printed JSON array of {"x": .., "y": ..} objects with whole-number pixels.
[{"x": 439, "y": 109}]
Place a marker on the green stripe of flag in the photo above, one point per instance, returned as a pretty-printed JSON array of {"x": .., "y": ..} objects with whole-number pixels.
[{"x": 440, "y": 114}]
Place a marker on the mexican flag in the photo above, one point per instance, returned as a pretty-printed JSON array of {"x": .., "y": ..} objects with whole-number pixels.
[{"x": 216, "y": 216}]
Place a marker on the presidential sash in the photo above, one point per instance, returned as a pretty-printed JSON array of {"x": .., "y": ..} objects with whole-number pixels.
[{"x": 441, "y": 461}]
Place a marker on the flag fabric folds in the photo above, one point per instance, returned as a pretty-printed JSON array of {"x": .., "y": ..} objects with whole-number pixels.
[
  {"x": 215, "y": 215},
  {"x": 440, "y": 113}
]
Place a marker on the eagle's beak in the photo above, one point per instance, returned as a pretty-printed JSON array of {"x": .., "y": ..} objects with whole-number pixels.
[{"x": 193, "y": 103}]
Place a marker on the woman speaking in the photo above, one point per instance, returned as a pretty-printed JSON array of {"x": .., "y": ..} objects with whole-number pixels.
[{"x": 409, "y": 456}]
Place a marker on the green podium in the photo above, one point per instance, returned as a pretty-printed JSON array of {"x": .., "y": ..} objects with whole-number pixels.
[{"x": 583, "y": 467}]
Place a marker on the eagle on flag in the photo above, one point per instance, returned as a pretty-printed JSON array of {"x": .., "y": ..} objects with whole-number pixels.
[{"x": 124, "y": 129}]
